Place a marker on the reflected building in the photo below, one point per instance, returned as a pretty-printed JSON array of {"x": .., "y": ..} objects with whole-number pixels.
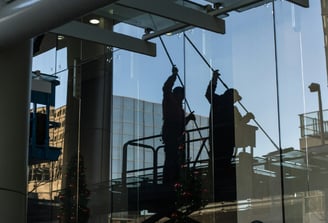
[
  {"x": 121, "y": 136},
  {"x": 310, "y": 130},
  {"x": 45, "y": 178},
  {"x": 139, "y": 122},
  {"x": 133, "y": 119}
]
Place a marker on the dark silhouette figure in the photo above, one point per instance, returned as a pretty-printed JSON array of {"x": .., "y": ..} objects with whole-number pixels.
[
  {"x": 224, "y": 119},
  {"x": 174, "y": 122}
]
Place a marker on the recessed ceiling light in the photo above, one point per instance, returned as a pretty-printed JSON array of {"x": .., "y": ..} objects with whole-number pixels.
[
  {"x": 94, "y": 21},
  {"x": 60, "y": 37}
]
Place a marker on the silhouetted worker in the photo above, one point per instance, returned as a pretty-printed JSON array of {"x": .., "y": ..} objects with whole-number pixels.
[
  {"x": 174, "y": 122},
  {"x": 224, "y": 119}
]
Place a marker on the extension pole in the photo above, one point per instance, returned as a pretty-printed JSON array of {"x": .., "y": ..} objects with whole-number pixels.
[
  {"x": 226, "y": 86},
  {"x": 171, "y": 61},
  {"x": 201, "y": 55}
]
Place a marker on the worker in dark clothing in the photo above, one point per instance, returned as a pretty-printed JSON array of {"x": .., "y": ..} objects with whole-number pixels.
[
  {"x": 224, "y": 119},
  {"x": 174, "y": 122}
]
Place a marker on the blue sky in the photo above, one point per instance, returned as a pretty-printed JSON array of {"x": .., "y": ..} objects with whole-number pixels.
[
  {"x": 54, "y": 63},
  {"x": 246, "y": 58}
]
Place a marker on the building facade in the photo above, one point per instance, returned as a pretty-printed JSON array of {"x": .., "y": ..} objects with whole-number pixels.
[{"x": 272, "y": 52}]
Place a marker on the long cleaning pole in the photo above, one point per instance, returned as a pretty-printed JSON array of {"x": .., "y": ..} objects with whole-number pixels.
[
  {"x": 226, "y": 86},
  {"x": 171, "y": 61}
]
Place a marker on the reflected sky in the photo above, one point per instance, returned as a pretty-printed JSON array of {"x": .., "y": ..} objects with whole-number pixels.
[
  {"x": 54, "y": 62},
  {"x": 248, "y": 60},
  {"x": 245, "y": 56}
]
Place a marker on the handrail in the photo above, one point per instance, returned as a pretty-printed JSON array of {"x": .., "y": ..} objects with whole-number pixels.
[
  {"x": 125, "y": 152},
  {"x": 137, "y": 143}
]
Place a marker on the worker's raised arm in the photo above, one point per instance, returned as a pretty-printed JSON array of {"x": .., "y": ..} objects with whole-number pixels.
[
  {"x": 210, "y": 91},
  {"x": 168, "y": 85}
]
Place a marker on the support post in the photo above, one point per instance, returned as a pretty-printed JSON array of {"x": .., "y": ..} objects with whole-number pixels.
[{"x": 15, "y": 79}]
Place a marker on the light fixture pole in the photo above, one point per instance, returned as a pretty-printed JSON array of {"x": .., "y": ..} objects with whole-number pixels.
[{"x": 315, "y": 87}]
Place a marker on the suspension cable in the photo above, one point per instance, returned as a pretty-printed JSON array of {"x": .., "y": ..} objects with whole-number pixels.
[
  {"x": 173, "y": 65},
  {"x": 226, "y": 86},
  {"x": 166, "y": 51}
]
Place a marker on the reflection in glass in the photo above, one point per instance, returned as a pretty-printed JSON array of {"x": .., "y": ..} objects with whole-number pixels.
[{"x": 270, "y": 54}]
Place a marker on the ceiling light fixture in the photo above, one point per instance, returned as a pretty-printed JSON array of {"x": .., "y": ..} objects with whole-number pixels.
[
  {"x": 60, "y": 37},
  {"x": 94, "y": 21}
]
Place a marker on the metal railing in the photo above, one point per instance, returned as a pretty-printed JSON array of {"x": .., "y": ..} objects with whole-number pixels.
[
  {"x": 310, "y": 124},
  {"x": 155, "y": 177}
]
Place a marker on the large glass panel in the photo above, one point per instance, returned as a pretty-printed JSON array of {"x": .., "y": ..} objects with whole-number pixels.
[
  {"x": 72, "y": 184},
  {"x": 265, "y": 55},
  {"x": 245, "y": 60},
  {"x": 301, "y": 77},
  {"x": 145, "y": 82},
  {"x": 47, "y": 134},
  {"x": 254, "y": 153}
]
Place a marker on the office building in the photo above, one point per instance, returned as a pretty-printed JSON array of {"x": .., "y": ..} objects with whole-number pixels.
[{"x": 272, "y": 52}]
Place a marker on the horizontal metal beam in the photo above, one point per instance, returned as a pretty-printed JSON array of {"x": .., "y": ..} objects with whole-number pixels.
[
  {"x": 303, "y": 3},
  {"x": 236, "y": 5},
  {"x": 170, "y": 10},
  {"x": 25, "y": 19},
  {"x": 93, "y": 33},
  {"x": 218, "y": 12},
  {"x": 171, "y": 29}
]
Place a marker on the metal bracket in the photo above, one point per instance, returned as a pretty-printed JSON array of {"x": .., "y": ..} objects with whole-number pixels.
[
  {"x": 177, "y": 13},
  {"x": 106, "y": 37},
  {"x": 303, "y": 3}
]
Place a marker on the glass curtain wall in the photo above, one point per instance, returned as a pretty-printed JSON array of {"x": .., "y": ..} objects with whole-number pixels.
[
  {"x": 63, "y": 184},
  {"x": 254, "y": 149},
  {"x": 270, "y": 55},
  {"x": 47, "y": 132}
]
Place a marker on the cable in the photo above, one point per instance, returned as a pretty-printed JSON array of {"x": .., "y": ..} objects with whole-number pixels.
[
  {"x": 226, "y": 86},
  {"x": 282, "y": 184},
  {"x": 172, "y": 64},
  {"x": 187, "y": 104},
  {"x": 166, "y": 51},
  {"x": 201, "y": 55}
]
